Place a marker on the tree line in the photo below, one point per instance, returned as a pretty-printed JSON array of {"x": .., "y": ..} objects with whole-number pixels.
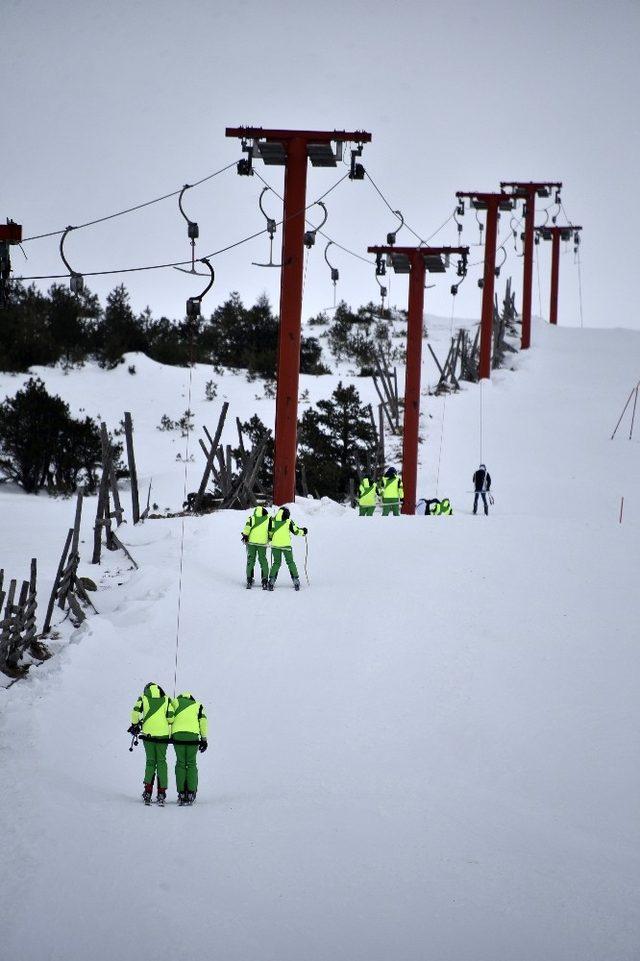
[{"x": 44, "y": 329}]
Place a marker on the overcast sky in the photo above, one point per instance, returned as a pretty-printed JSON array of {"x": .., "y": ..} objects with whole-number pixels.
[{"x": 106, "y": 105}]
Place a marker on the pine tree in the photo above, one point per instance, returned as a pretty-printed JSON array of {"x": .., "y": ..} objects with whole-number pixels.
[
  {"x": 330, "y": 438},
  {"x": 42, "y": 445},
  {"x": 119, "y": 330}
]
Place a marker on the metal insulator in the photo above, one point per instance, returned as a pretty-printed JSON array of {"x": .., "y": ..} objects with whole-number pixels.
[
  {"x": 193, "y": 230},
  {"x": 335, "y": 275},
  {"x": 391, "y": 239},
  {"x": 309, "y": 238},
  {"x": 76, "y": 283},
  {"x": 481, "y": 283}
]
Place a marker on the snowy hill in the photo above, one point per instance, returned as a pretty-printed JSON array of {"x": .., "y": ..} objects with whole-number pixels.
[{"x": 428, "y": 753}]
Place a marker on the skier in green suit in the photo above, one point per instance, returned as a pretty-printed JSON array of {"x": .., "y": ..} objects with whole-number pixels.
[
  {"x": 366, "y": 497},
  {"x": 255, "y": 534},
  {"x": 151, "y": 719},
  {"x": 189, "y": 735},
  {"x": 391, "y": 491},
  {"x": 281, "y": 527}
]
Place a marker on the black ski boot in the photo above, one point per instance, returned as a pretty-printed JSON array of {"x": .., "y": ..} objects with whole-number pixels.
[
  {"x": 249, "y": 583},
  {"x": 147, "y": 794},
  {"x": 161, "y": 798},
  {"x": 182, "y": 798},
  {"x": 191, "y": 796},
  {"x": 270, "y": 585},
  {"x": 265, "y": 584},
  {"x": 296, "y": 583}
]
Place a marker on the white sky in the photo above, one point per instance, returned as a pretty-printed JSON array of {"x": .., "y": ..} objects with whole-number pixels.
[{"x": 108, "y": 105}]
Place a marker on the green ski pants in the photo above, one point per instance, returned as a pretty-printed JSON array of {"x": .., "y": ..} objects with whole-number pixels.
[
  {"x": 367, "y": 511},
  {"x": 277, "y": 561},
  {"x": 156, "y": 752},
  {"x": 186, "y": 767},
  {"x": 259, "y": 550},
  {"x": 390, "y": 506}
]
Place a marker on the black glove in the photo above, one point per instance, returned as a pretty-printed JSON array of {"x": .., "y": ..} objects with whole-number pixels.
[
  {"x": 305, "y": 531},
  {"x": 245, "y": 538},
  {"x": 134, "y": 729},
  {"x": 204, "y": 744}
]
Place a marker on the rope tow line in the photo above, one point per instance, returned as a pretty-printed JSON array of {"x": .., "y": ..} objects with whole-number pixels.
[
  {"x": 129, "y": 210},
  {"x": 193, "y": 312}
]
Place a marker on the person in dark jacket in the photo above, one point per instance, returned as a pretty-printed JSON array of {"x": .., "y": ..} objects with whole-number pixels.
[{"x": 481, "y": 485}]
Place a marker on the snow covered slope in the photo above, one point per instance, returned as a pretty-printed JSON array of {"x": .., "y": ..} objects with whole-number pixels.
[{"x": 429, "y": 753}]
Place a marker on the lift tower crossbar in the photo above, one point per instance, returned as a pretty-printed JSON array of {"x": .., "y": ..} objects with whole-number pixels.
[
  {"x": 493, "y": 204},
  {"x": 292, "y": 149},
  {"x": 415, "y": 261},
  {"x": 555, "y": 235},
  {"x": 528, "y": 192}
]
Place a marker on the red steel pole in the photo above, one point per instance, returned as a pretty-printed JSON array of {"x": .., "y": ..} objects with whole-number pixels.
[
  {"x": 555, "y": 275},
  {"x": 486, "y": 324},
  {"x": 527, "y": 278},
  {"x": 295, "y": 191},
  {"x": 415, "y": 320}
]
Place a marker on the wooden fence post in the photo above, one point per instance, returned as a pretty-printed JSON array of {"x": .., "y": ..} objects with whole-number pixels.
[{"x": 133, "y": 474}]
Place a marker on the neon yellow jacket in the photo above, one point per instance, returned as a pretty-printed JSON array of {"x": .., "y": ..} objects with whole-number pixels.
[
  {"x": 280, "y": 530},
  {"x": 189, "y": 718},
  {"x": 445, "y": 507},
  {"x": 257, "y": 526},
  {"x": 391, "y": 488},
  {"x": 154, "y": 709},
  {"x": 367, "y": 493}
]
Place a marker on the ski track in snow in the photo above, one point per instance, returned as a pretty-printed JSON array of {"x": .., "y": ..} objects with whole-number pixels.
[{"x": 430, "y": 753}]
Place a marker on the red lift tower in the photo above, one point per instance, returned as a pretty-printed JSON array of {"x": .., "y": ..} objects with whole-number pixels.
[
  {"x": 528, "y": 192},
  {"x": 292, "y": 149},
  {"x": 493, "y": 204},
  {"x": 555, "y": 235},
  {"x": 415, "y": 261}
]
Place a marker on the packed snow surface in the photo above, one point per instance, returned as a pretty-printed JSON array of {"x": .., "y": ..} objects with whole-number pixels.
[{"x": 429, "y": 753}]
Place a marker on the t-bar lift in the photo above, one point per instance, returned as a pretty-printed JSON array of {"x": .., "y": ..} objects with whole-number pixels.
[
  {"x": 528, "y": 192},
  {"x": 415, "y": 261},
  {"x": 292, "y": 149},
  {"x": 492, "y": 204},
  {"x": 555, "y": 235}
]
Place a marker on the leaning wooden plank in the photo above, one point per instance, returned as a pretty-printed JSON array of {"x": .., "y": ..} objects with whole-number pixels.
[
  {"x": 97, "y": 529},
  {"x": 77, "y": 521},
  {"x": 385, "y": 406},
  {"x": 248, "y": 481},
  {"x": 432, "y": 352},
  {"x": 118, "y": 543},
  {"x": 76, "y": 610},
  {"x": 54, "y": 592},
  {"x": 133, "y": 473},
  {"x": 210, "y": 459},
  {"x": 248, "y": 476},
  {"x": 108, "y": 467}
]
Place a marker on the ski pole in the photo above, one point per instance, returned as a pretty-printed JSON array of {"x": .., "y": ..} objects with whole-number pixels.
[
  {"x": 134, "y": 741},
  {"x": 306, "y": 558}
]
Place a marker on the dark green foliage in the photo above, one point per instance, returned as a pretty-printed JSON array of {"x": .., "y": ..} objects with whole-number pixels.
[
  {"x": 118, "y": 330},
  {"x": 72, "y": 322},
  {"x": 45, "y": 329},
  {"x": 355, "y": 336},
  {"x": 41, "y": 445},
  {"x": 247, "y": 338},
  {"x": 330, "y": 438}
]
